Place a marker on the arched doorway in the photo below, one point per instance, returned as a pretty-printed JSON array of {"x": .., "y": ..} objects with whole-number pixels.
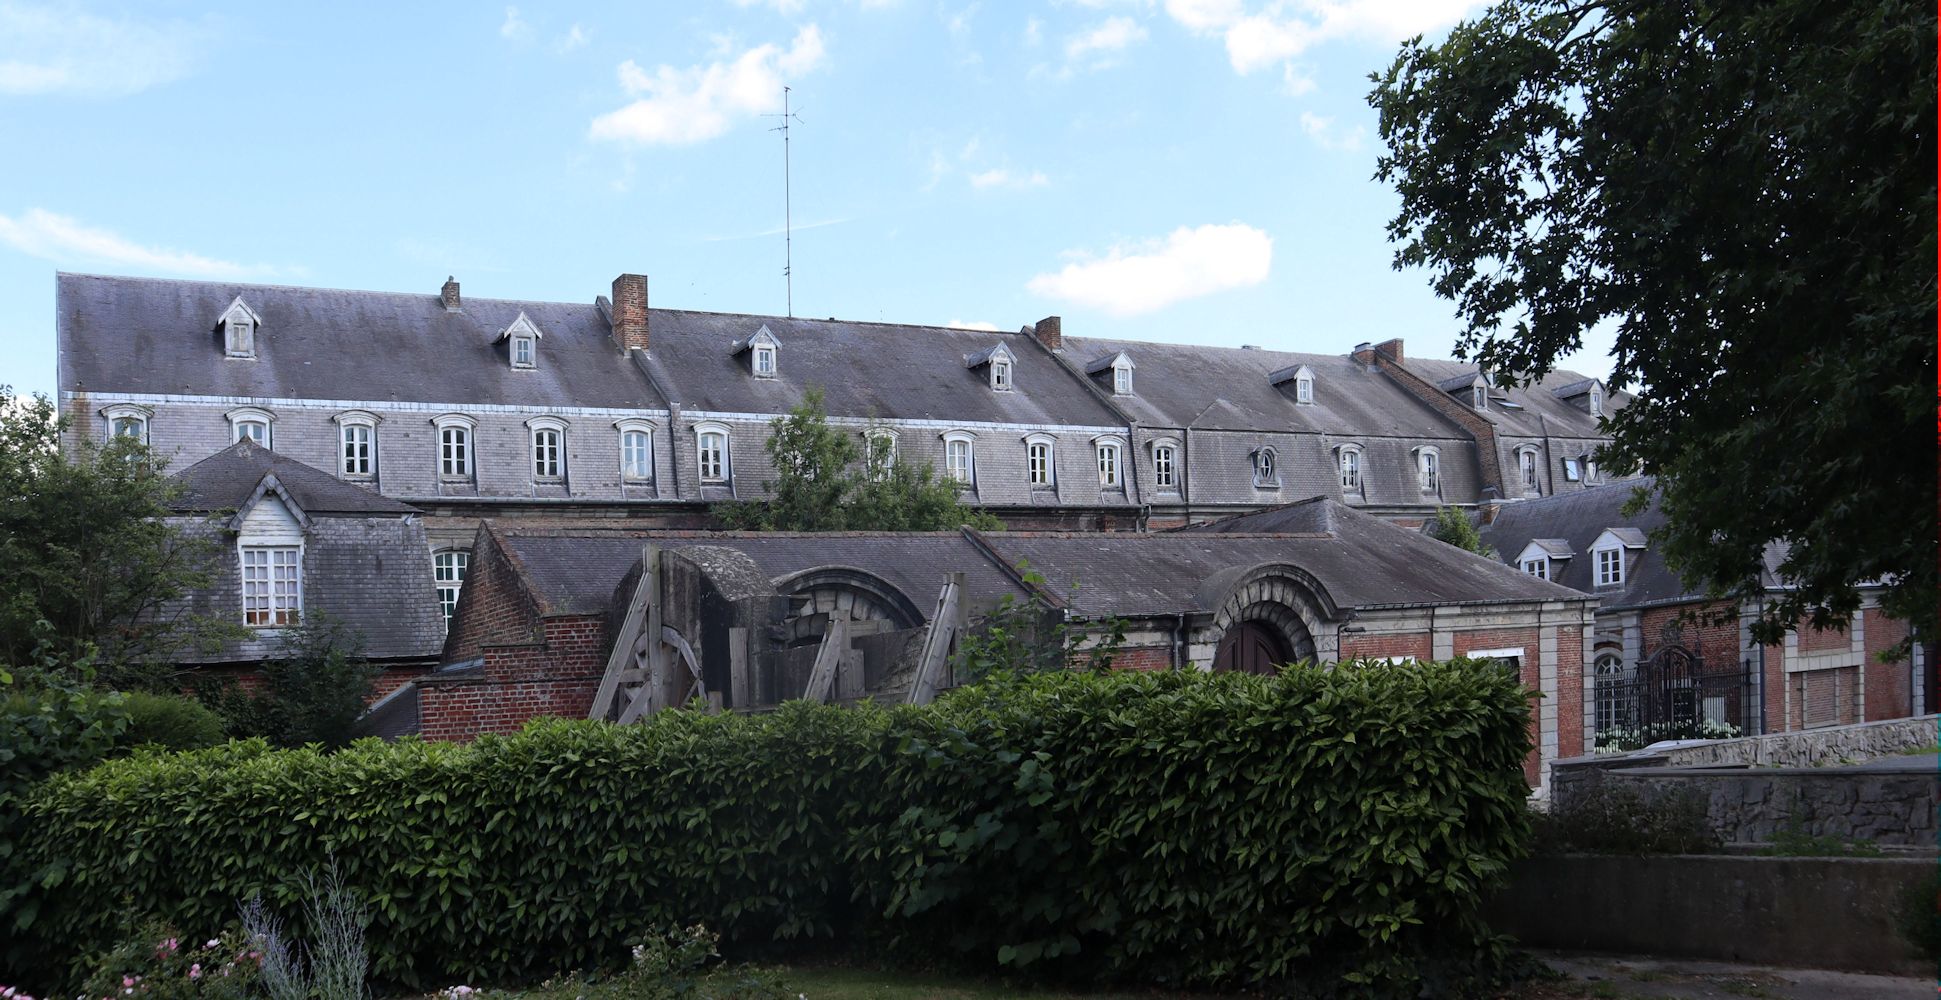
[{"x": 1251, "y": 647}]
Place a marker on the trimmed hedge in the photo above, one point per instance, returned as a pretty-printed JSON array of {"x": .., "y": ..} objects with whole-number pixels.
[{"x": 1324, "y": 825}]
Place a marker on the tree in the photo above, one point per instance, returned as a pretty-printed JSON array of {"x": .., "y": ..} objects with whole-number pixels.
[
  {"x": 825, "y": 482},
  {"x": 1745, "y": 192},
  {"x": 313, "y": 693},
  {"x": 1454, "y": 527},
  {"x": 89, "y": 567}
]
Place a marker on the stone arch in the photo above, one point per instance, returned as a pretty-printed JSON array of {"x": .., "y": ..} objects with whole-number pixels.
[
  {"x": 1282, "y": 598},
  {"x": 847, "y": 592}
]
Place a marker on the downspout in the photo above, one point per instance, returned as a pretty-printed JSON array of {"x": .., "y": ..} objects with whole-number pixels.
[
  {"x": 1179, "y": 640},
  {"x": 1549, "y": 461}
]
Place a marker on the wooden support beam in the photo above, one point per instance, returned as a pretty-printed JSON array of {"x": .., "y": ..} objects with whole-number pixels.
[
  {"x": 620, "y": 661},
  {"x": 939, "y": 641},
  {"x": 822, "y": 677},
  {"x": 740, "y": 694}
]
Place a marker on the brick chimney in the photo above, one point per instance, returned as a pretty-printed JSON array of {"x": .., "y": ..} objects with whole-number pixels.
[
  {"x": 1050, "y": 332},
  {"x": 449, "y": 295},
  {"x": 1391, "y": 349},
  {"x": 630, "y": 312},
  {"x": 1364, "y": 354}
]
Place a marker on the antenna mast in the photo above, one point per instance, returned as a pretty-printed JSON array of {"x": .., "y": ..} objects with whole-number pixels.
[{"x": 788, "y": 222}]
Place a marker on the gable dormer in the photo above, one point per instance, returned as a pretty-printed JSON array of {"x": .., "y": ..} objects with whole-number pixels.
[
  {"x": 1541, "y": 556},
  {"x": 1473, "y": 389},
  {"x": 1585, "y": 394},
  {"x": 999, "y": 365},
  {"x": 1119, "y": 363},
  {"x": 1303, "y": 378},
  {"x": 239, "y": 324},
  {"x": 764, "y": 353},
  {"x": 1612, "y": 555},
  {"x": 522, "y": 342}
]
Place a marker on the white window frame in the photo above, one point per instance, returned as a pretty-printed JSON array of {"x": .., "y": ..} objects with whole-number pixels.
[
  {"x": 239, "y": 337},
  {"x": 1479, "y": 396},
  {"x": 1121, "y": 380},
  {"x": 965, "y": 473},
  {"x": 718, "y": 467},
  {"x": 1304, "y": 390},
  {"x": 1267, "y": 469},
  {"x": 280, "y": 594},
  {"x": 1111, "y": 457},
  {"x": 1607, "y": 565},
  {"x": 123, "y": 414},
  {"x": 1001, "y": 375},
  {"x": 628, "y": 472},
  {"x": 467, "y": 431},
  {"x": 879, "y": 452},
  {"x": 1428, "y": 470},
  {"x": 529, "y": 347},
  {"x": 347, "y": 460},
  {"x": 1165, "y": 465},
  {"x": 1538, "y": 567},
  {"x": 547, "y": 461},
  {"x": 1041, "y": 475},
  {"x": 252, "y": 416},
  {"x": 764, "y": 362},
  {"x": 1528, "y": 466},
  {"x": 1597, "y": 401},
  {"x": 1347, "y": 465},
  {"x": 448, "y": 568}
]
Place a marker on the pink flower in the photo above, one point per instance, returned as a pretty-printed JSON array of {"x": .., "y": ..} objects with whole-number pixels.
[
  {"x": 170, "y": 944},
  {"x": 195, "y": 971},
  {"x": 128, "y": 980},
  {"x": 213, "y": 943}
]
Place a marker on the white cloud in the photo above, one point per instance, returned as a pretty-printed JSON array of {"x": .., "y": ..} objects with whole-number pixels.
[
  {"x": 59, "y": 50},
  {"x": 1295, "y": 81},
  {"x": 783, "y": 7},
  {"x": 1262, "y": 35},
  {"x": 1034, "y": 32},
  {"x": 1113, "y": 34},
  {"x": 1321, "y": 129},
  {"x": 959, "y": 20},
  {"x": 1187, "y": 264},
  {"x": 64, "y": 240},
  {"x": 574, "y": 38},
  {"x": 1000, "y": 177},
  {"x": 683, "y": 106},
  {"x": 514, "y": 27},
  {"x": 960, "y": 324}
]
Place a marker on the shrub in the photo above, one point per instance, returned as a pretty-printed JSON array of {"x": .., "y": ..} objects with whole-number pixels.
[
  {"x": 171, "y": 721},
  {"x": 312, "y": 693},
  {"x": 1614, "y": 817},
  {"x": 158, "y": 962},
  {"x": 1185, "y": 828},
  {"x": 1623, "y": 739}
]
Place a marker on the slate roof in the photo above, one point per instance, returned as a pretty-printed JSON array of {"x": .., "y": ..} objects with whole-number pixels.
[
  {"x": 155, "y": 336},
  {"x": 227, "y": 479},
  {"x": 864, "y": 369},
  {"x": 1360, "y": 559},
  {"x": 1180, "y": 385},
  {"x": 1578, "y": 518},
  {"x": 1542, "y": 413}
]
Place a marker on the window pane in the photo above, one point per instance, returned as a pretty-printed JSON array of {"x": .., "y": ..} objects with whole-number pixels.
[{"x": 1162, "y": 466}]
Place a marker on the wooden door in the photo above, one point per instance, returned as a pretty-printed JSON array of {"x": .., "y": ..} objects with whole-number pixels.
[{"x": 1250, "y": 647}]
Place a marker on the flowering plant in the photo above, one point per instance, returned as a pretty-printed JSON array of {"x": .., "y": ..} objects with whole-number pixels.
[{"x": 158, "y": 963}]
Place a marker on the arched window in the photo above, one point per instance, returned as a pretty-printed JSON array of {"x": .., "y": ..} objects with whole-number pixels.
[
  {"x": 448, "y": 573},
  {"x": 548, "y": 448},
  {"x": 454, "y": 446},
  {"x": 252, "y": 423},
  {"x": 1615, "y": 694},
  {"x": 1266, "y": 468},
  {"x": 1165, "y": 465},
  {"x": 879, "y": 452},
  {"x": 357, "y": 444},
  {"x": 1111, "y": 455},
  {"x": 1526, "y": 464},
  {"x": 711, "y": 452},
  {"x": 636, "y": 450},
  {"x": 1428, "y": 470},
  {"x": 1038, "y": 459},
  {"x": 1350, "y": 469},
  {"x": 960, "y": 456}
]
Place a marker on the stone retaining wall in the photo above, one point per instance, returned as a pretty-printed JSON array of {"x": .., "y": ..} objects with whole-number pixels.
[{"x": 1814, "y": 747}]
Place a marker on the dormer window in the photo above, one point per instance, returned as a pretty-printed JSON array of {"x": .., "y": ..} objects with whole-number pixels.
[
  {"x": 764, "y": 353},
  {"x": 1610, "y": 567},
  {"x": 765, "y": 361},
  {"x": 1428, "y": 470},
  {"x": 1597, "y": 402},
  {"x": 1000, "y": 375},
  {"x": 1303, "y": 378},
  {"x": 1111, "y": 455},
  {"x": 1165, "y": 464},
  {"x": 127, "y": 420},
  {"x": 255, "y": 430},
  {"x": 1304, "y": 390},
  {"x": 1526, "y": 465},
  {"x": 998, "y": 364},
  {"x": 548, "y": 449},
  {"x": 960, "y": 456},
  {"x": 1039, "y": 466},
  {"x": 1538, "y": 567},
  {"x": 1122, "y": 381},
  {"x": 1541, "y": 556},
  {"x": 1120, "y": 364},
  {"x": 522, "y": 342},
  {"x": 1479, "y": 397},
  {"x": 879, "y": 452},
  {"x": 1608, "y": 554},
  {"x": 1350, "y": 469},
  {"x": 711, "y": 452},
  {"x": 239, "y": 323},
  {"x": 1266, "y": 469}
]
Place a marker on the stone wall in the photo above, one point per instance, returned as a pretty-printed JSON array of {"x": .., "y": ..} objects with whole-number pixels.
[{"x": 1815, "y": 747}]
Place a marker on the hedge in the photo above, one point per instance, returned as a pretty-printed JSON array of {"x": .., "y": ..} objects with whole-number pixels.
[{"x": 1334, "y": 824}]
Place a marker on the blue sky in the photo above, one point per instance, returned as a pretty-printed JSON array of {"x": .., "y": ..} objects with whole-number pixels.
[{"x": 1194, "y": 171}]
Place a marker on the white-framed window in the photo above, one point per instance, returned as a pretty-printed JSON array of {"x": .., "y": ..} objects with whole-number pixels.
[
  {"x": 127, "y": 420},
  {"x": 524, "y": 354},
  {"x": 879, "y": 452},
  {"x": 1266, "y": 468},
  {"x": 272, "y": 585},
  {"x": 239, "y": 324},
  {"x": 1526, "y": 464},
  {"x": 1351, "y": 469},
  {"x": 548, "y": 457},
  {"x": 1121, "y": 380},
  {"x": 1304, "y": 389},
  {"x": 1038, "y": 460},
  {"x": 255, "y": 430},
  {"x": 636, "y": 452},
  {"x": 1590, "y": 469},
  {"x": 454, "y": 446},
  {"x": 1428, "y": 470},
  {"x": 960, "y": 456},
  {"x": 711, "y": 452},
  {"x": 1479, "y": 397},
  {"x": 1165, "y": 466},
  {"x": 1000, "y": 375},
  {"x": 1539, "y": 568},
  {"x": 764, "y": 361},
  {"x": 1610, "y": 566},
  {"x": 1111, "y": 465},
  {"x": 1614, "y": 694},
  {"x": 522, "y": 342},
  {"x": 1597, "y": 402},
  {"x": 448, "y": 574},
  {"x": 356, "y": 444}
]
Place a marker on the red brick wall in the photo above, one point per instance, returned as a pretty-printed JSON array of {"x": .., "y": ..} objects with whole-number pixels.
[
  {"x": 1716, "y": 641},
  {"x": 519, "y": 682},
  {"x": 1889, "y": 694},
  {"x": 1570, "y": 691},
  {"x": 1530, "y": 671},
  {"x": 492, "y": 606},
  {"x": 1812, "y": 640},
  {"x": 1361, "y": 646},
  {"x": 1141, "y": 658}
]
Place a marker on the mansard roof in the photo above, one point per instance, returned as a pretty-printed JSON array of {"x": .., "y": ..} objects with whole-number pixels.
[
  {"x": 1578, "y": 518},
  {"x": 867, "y": 370},
  {"x": 1540, "y": 411},
  {"x": 152, "y": 337},
  {"x": 1179, "y": 382},
  {"x": 229, "y": 479}
]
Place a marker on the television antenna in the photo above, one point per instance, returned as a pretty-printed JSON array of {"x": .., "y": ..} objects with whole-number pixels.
[{"x": 788, "y": 224}]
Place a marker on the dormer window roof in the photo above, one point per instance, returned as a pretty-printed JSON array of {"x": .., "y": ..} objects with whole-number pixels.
[
  {"x": 1121, "y": 366},
  {"x": 1303, "y": 378},
  {"x": 239, "y": 323},
  {"x": 999, "y": 365},
  {"x": 1474, "y": 387},
  {"x": 522, "y": 342},
  {"x": 764, "y": 353},
  {"x": 1586, "y": 394}
]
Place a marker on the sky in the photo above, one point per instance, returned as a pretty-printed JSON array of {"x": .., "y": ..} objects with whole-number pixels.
[{"x": 1188, "y": 171}]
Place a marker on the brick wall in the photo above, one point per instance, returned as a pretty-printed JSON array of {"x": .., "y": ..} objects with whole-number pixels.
[
  {"x": 1812, "y": 640},
  {"x": 1691, "y": 625},
  {"x": 1889, "y": 693},
  {"x": 1571, "y": 738},
  {"x": 518, "y": 682},
  {"x": 1415, "y": 645},
  {"x": 492, "y": 606},
  {"x": 1529, "y": 670},
  {"x": 1143, "y": 658}
]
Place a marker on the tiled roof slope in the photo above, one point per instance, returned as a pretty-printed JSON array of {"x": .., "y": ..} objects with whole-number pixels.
[
  {"x": 1543, "y": 413},
  {"x": 1578, "y": 518},
  {"x": 152, "y": 336},
  {"x": 227, "y": 479},
  {"x": 864, "y": 369},
  {"x": 1179, "y": 385}
]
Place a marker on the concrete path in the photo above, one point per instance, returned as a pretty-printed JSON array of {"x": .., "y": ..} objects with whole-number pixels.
[{"x": 1620, "y": 978}]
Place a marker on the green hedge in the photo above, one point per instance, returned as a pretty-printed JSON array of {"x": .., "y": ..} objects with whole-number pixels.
[{"x": 1174, "y": 827}]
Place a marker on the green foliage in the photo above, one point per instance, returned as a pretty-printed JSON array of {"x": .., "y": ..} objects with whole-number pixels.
[
  {"x": 1622, "y": 739},
  {"x": 1454, "y": 527},
  {"x": 84, "y": 547},
  {"x": 1180, "y": 827},
  {"x": 1744, "y": 193},
  {"x": 826, "y": 482},
  {"x": 1792, "y": 841},
  {"x": 157, "y": 962},
  {"x": 1024, "y": 637},
  {"x": 1618, "y": 818},
  {"x": 312, "y": 693},
  {"x": 1920, "y": 915},
  {"x": 171, "y": 721}
]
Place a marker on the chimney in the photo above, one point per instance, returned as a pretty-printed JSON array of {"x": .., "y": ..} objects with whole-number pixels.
[
  {"x": 1364, "y": 354},
  {"x": 449, "y": 295},
  {"x": 1050, "y": 332},
  {"x": 630, "y": 312},
  {"x": 1390, "y": 349}
]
